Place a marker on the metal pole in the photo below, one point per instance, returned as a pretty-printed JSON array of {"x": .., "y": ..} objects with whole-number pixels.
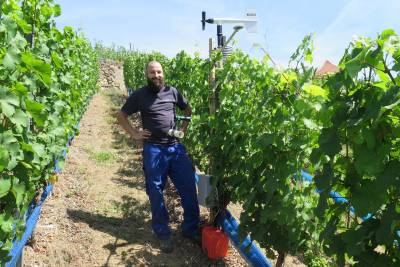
[
  {"x": 212, "y": 82},
  {"x": 210, "y": 48},
  {"x": 212, "y": 109},
  {"x": 219, "y": 35}
]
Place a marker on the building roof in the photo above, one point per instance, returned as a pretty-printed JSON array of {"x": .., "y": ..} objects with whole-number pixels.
[{"x": 327, "y": 68}]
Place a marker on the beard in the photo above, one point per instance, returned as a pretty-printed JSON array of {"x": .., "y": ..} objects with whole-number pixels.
[{"x": 155, "y": 84}]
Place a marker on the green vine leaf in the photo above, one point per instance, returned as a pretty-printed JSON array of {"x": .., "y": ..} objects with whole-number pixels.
[{"x": 5, "y": 182}]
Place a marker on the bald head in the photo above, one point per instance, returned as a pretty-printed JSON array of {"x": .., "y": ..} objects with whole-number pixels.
[
  {"x": 155, "y": 74},
  {"x": 152, "y": 63}
]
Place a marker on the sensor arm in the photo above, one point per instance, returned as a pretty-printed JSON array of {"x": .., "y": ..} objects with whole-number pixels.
[
  {"x": 236, "y": 29},
  {"x": 220, "y": 21},
  {"x": 250, "y": 22}
]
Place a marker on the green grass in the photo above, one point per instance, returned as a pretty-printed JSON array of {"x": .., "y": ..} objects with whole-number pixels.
[
  {"x": 100, "y": 156},
  {"x": 82, "y": 169},
  {"x": 105, "y": 206}
]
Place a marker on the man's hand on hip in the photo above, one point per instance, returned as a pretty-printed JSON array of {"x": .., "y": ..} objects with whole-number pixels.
[{"x": 141, "y": 134}]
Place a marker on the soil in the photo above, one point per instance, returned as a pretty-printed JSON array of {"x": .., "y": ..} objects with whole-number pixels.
[{"x": 98, "y": 213}]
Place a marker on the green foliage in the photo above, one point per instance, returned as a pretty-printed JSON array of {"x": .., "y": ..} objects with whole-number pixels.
[
  {"x": 270, "y": 124},
  {"x": 312, "y": 258},
  {"x": 260, "y": 136},
  {"x": 359, "y": 152},
  {"x": 264, "y": 132},
  {"x": 47, "y": 77},
  {"x": 118, "y": 53}
]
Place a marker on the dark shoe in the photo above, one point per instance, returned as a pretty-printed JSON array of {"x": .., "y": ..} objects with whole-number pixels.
[
  {"x": 166, "y": 245},
  {"x": 193, "y": 237}
]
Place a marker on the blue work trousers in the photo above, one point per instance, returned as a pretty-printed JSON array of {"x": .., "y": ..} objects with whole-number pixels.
[{"x": 160, "y": 161}]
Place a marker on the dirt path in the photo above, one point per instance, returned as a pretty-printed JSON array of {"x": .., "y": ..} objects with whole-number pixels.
[{"x": 99, "y": 214}]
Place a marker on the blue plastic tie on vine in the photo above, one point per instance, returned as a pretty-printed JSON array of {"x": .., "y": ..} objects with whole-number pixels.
[
  {"x": 247, "y": 249},
  {"x": 337, "y": 197},
  {"x": 18, "y": 246},
  {"x": 306, "y": 176},
  {"x": 64, "y": 153},
  {"x": 254, "y": 255},
  {"x": 70, "y": 138},
  {"x": 32, "y": 216},
  {"x": 57, "y": 168}
]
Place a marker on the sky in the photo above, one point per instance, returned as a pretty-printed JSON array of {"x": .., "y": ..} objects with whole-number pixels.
[{"x": 169, "y": 26}]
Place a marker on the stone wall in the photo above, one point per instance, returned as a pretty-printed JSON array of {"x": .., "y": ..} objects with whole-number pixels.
[{"x": 111, "y": 75}]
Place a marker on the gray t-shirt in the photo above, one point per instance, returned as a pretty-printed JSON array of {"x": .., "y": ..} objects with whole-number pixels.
[{"x": 157, "y": 110}]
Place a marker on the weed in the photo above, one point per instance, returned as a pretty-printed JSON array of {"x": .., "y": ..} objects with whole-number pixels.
[{"x": 102, "y": 157}]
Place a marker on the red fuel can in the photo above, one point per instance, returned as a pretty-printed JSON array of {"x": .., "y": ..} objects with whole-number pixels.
[{"x": 214, "y": 242}]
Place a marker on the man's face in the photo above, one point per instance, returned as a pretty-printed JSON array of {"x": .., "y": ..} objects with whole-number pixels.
[{"x": 155, "y": 75}]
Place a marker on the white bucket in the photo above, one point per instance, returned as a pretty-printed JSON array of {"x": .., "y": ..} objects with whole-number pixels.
[{"x": 204, "y": 189}]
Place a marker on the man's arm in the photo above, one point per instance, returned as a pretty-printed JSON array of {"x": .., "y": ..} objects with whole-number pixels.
[
  {"x": 122, "y": 118},
  {"x": 187, "y": 113}
]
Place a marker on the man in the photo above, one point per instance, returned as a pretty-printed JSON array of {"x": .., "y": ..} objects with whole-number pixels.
[{"x": 163, "y": 155}]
